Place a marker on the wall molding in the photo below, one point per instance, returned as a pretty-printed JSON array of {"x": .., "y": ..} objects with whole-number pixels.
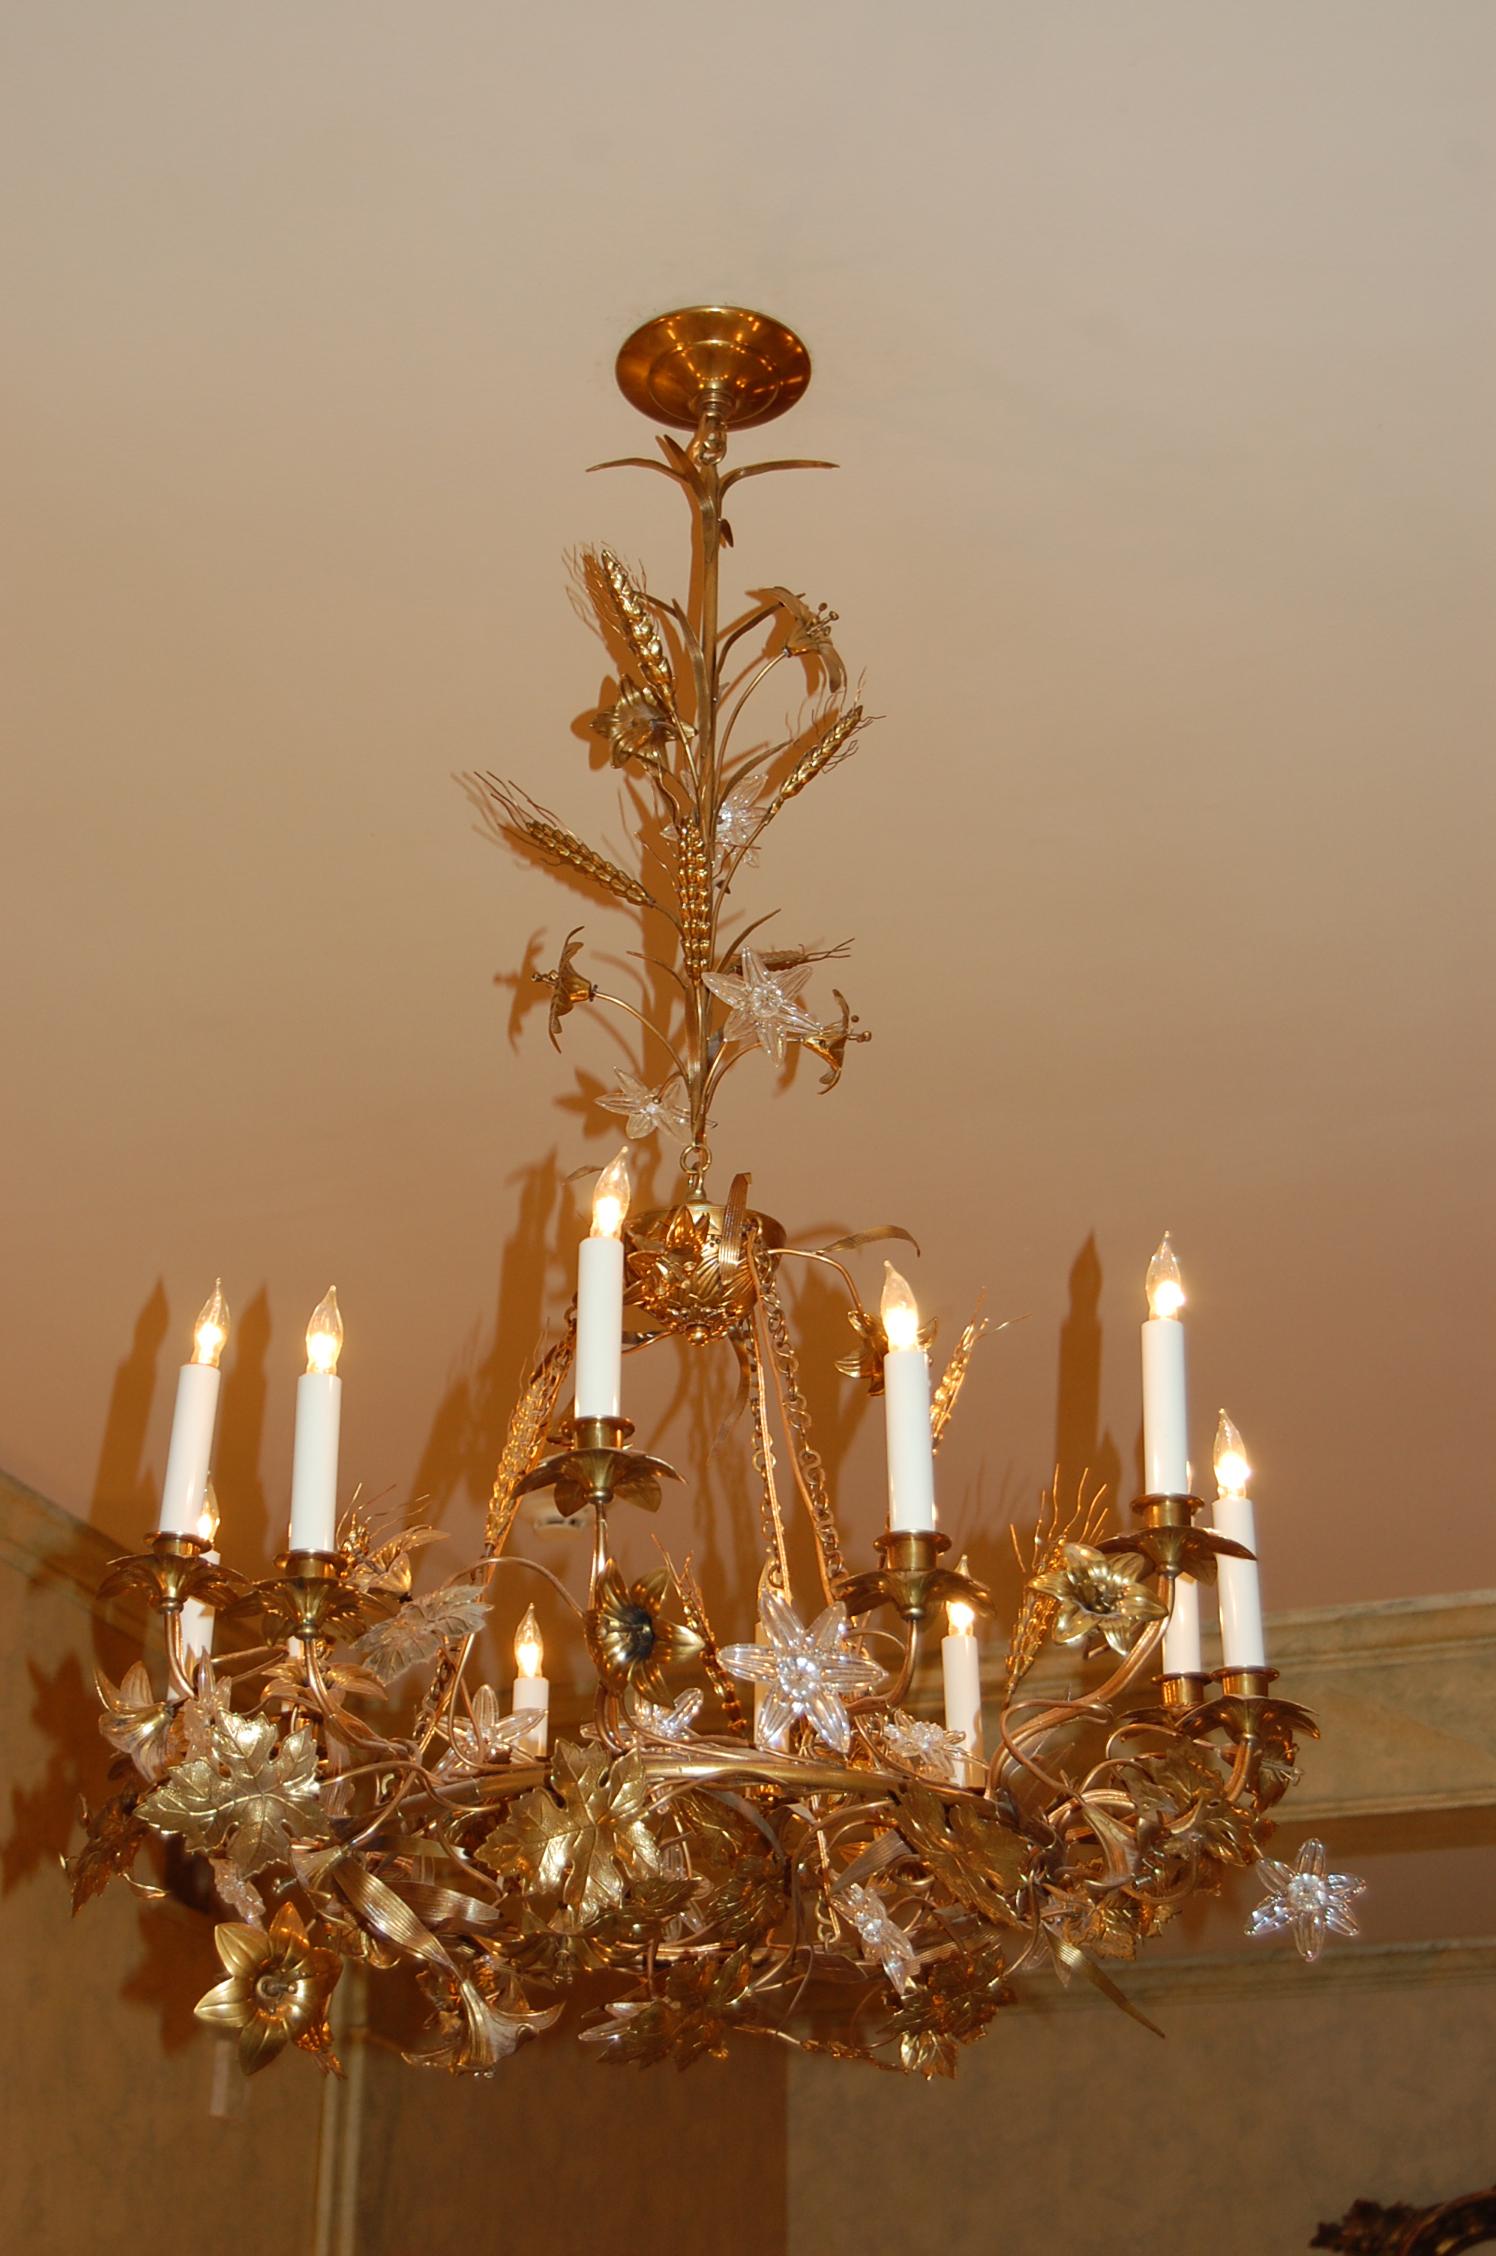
[{"x": 1272, "y": 1973}]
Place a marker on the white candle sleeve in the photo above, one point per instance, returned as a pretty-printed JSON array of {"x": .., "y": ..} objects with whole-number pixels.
[
  {"x": 1166, "y": 1446},
  {"x": 1239, "y": 1589},
  {"x": 532, "y": 1695},
  {"x": 314, "y": 1462},
  {"x": 911, "y": 1461},
  {"x": 600, "y": 1328},
  {"x": 961, "y": 1668},
  {"x": 191, "y": 1448},
  {"x": 198, "y": 1621},
  {"x": 1182, "y": 1636}
]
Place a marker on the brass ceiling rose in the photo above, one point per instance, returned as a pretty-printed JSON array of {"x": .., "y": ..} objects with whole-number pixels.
[{"x": 745, "y": 365}]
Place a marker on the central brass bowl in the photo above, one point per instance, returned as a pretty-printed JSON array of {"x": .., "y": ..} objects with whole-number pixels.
[{"x": 687, "y": 1265}]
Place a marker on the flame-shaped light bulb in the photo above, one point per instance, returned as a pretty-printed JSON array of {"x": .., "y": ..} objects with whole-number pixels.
[
  {"x": 610, "y": 1200},
  {"x": 1232, "y": 1471},
  {"x": 529, "y": 1652},
  {"x": 211, "y": 1331},
  {"x": 324, "y": 1335},
  {"x": 898, "y": 1309},
  {"x": 960, "y": 1618},
  {"x": 1165, "y": 1286},
  {"x": 207, "y": 1518}
]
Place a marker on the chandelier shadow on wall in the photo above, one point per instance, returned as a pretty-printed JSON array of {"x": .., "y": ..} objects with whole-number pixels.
[{"x": 747, "y": 1839}]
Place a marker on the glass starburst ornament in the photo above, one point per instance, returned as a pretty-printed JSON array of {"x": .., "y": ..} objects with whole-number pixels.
[
  {"x": 647, "y": 1111},
  {"x": 675, "y": 1722},
  {"x": 881, "y": 1935},
  {"x": 740, "y": 818},
  {"x": 804, "y": 1672},
  {"x": 762, "y": 1006},
  {"x": 924, "y": 1746},
  {"x": 1306, "y": 1900}
]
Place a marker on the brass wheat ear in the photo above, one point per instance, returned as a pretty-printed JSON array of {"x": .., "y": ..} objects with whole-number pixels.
[
  {"x": 834, "y": 745},
  {"x": 552, "y": 838},
  {"x": 694, "y": 887},
  {"x": 625, "y": 606}
]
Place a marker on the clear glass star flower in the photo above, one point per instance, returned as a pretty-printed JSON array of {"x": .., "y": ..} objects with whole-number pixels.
[
  {"x": 762, "y": 1006},
  {"x": 738, "y": 820},
  {"x": 804, "y": 1672},
  {"x": 668, "y": 1723},
  {"x": 647, "y": 1110},
  {"x": 1306, "y": 1900},
  {"x": 925, "y": 1746},
  {"x": 882, "y": 1936},
  {"x": 488, "y": 1737}
]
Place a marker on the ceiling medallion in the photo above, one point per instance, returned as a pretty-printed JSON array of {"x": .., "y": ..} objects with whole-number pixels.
[{"x": 753, "y": 1838}]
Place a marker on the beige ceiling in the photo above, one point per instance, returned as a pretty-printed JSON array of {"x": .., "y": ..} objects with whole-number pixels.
[{"x": 1156, "y": 345}]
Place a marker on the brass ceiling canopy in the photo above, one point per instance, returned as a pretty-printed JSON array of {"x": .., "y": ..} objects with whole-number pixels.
[{"x": 745, "y": 366}]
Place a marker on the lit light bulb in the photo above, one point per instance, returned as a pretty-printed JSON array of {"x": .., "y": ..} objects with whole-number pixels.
[
  {"x": 1232, "y": 1471},
  {"x": 1165, "y": 1285},
  {"x": 610, "y": 1200},
  {"x": 212, "y": 1328},
  {"x": 207, "y": 1518},
  {"x": 960, "y": 1618},
  {"x": 899, "y": 1310},
  {"x": 528, "y": 1649},
  {"x": 324, "y": 1335}
]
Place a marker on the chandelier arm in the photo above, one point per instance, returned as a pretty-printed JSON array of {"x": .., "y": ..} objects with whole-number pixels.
[
  {"x": 1019, "y": 1756},
  {"x": 765, "y": 668},
  {"x": 731, "y": 635},
  {"x": 601, "y": 995}
]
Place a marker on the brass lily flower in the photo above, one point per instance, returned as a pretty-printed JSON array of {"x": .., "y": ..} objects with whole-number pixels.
[
  {"x": 831, "y": 1042},
  {"x": 277, "y": 1989},
  {"x": 568, "y": 987},
  {"x": 1099, "y": 1600},
  {"x": 634, "y": 726},
  {"x": 872, "y": 1346},
  {"x": 629, "y": 1637}
]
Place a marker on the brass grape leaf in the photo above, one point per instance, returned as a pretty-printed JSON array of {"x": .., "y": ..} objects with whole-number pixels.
[
  {"x": 980, "y": 1860},
  {"x": 135, "y": 1722},
  {"x": 384, "y": 1567},
  {"x": 419, "y": 1628},
  {"x": 949, "y": 2006},
  {"x": 115, "y": 1834},
  {"x": 249, "y": 1796},
  {"x": 583, "y": 1838},
  {"x": 691, "y": 2021}
]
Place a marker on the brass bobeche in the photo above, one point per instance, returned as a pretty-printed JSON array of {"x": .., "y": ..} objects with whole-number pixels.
[{"x": 808, "y": 1864}]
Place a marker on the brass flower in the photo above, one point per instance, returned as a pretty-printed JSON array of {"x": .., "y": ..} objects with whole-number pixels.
[
  {"x": 872, "y": 1346},
  {"x": 830, "y": 1044},
  {"x": 1099, "y": 1600},
  {"x": 634, "y": 726},
  {"x": 135, "y": 1722},
  {"x": 568, "y": 987},
  {"x": 277, "y": 1989},
  {"x": 629, "y": 1637}
]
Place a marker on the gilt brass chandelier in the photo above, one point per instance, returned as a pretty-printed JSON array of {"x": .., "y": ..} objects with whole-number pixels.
[{"x": 747, "y": 1838}]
